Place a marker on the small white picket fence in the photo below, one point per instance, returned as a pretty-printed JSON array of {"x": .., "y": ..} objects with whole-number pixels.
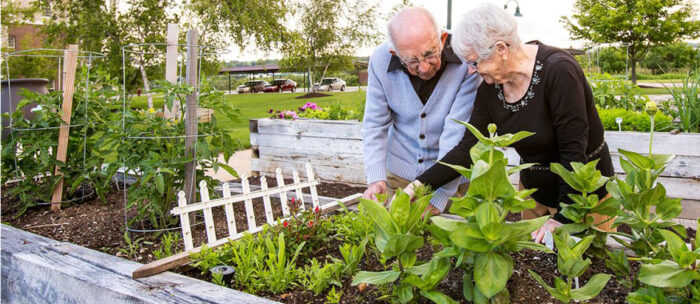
[{"x": 281, "y": 191}]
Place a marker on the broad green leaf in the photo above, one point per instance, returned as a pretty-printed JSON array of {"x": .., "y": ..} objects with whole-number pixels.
[
  {"x": 437, "y": 297},
  {"x": 417, "y": 209},
  {"x": 160, "y": 184},
  {"x": 582, "y": 245},
  {"x": 494, "y": 270},
  {"x": 418, "y": 270},
  {"x": 520, "y": 245},
  {"x": 229, "y": 169},
  {"x": 476, "y": 132},
  {"x": 667, "y": 274},
  {"x": 669, "y": 208},
  {"x": 449, "y": 224},
  {"x": 379, "y": 215},
  {"x": 470, "y": 239},
  {"x": 552, "y": 291},
  {"x": 405, "y": 293},
  {"x": 464, "y": 206},
  {"x": 461, "y": 170},
  {"x": 660, "y": 160},
  {"x": 650, "y": 295},
  {"x": 492, "y": 184},
  {"x": 519, "y": 168},
  {"x": 487, "y": 213},
  {"x": 592, "y": 287},
  {"x": 467, "y": 286},
  {"x": 408, "y": 259},
  {"x": 518, "y": 230},
  {"x": 569, "y": 177},
  {"x": 400, "y": 208},
  {"x": 637, "y": 159},
  {"x": 375, "y": 278},
  {"x": 439, "y": 268},
  {"x": 509, "y": 140},
  {"x": 678, "y": 249},
  {"x": 398, "y": 244}
]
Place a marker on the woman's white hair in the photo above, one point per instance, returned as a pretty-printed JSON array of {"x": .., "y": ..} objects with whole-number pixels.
[{"x": 481, "y": 27}]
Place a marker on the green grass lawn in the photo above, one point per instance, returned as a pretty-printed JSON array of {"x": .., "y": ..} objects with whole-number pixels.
[{"x": 257, "y": 106}]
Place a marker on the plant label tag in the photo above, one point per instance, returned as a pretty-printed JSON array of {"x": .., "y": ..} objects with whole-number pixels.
[{"x": 548, "y": 240}]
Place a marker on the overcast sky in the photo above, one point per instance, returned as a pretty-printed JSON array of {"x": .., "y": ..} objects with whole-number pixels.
[{"x": 540, "y": 21}]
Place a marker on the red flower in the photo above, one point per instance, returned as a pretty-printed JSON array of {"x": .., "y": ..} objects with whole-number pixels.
[
  {"x": 285, "y": 224},
  {"x": 317, "y": 210},
  {"x": 311, "y": 223}
]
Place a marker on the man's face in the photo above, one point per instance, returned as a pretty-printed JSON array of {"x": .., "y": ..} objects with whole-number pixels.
[{"x": 421, "y": 57}]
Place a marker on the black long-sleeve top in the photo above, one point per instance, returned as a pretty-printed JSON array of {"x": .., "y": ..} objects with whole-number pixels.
[{"x": 558, "y": 107}]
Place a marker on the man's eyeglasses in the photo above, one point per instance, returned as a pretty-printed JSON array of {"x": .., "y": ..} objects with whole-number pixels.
[{"x": 413, "y": 63}]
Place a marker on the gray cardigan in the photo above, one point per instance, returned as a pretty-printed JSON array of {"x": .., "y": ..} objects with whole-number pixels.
[{"x": 393, "y": 121}]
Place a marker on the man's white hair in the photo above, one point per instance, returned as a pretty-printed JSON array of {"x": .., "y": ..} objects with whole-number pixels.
[
  {"x": 481, "y": 27},
  {"x": 402, "y": 13}
]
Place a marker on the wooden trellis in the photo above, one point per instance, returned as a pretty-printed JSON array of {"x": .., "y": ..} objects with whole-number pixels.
[{"x": 183, "y": 210}]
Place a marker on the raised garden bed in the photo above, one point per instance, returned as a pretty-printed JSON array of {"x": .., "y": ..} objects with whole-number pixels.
[{"x": 334, "y": 148}]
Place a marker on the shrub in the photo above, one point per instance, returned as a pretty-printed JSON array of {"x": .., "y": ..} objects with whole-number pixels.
[{"x": 633, "y": 121}]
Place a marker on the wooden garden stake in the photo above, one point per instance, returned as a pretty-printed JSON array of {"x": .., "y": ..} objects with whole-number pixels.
[
  {"x": 70, "y": 61},
  {"x": 171, "y": 67},
  {"x": 191, "y": 116}
]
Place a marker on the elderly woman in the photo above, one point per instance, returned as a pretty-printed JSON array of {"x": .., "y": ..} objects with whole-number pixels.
[{"x": 533, "y": 87}]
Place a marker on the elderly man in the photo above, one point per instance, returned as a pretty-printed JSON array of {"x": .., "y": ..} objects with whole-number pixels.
[{"x": 416, "y": 87}]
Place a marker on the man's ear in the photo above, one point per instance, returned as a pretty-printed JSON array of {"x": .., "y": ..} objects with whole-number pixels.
[
  {"x": 392, "y": 52},
  {"x": 443, "y": 37}
]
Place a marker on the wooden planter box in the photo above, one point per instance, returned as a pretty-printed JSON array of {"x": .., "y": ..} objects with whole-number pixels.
[{"x": 334, "y": 148}]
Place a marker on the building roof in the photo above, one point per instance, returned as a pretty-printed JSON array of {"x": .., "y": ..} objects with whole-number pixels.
[{"x": 270, "y": 68}]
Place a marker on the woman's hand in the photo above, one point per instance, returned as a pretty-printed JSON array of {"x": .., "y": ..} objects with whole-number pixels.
[
  {"x": 549, "y": 225},
  {"x": 410, "y": 190}
]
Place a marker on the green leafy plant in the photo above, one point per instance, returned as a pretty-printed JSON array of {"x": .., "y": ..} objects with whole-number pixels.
[
  {"x": 333, "y": 297},
  {"x": 396, "y": 239},
  {"x": 679, "y": 276},
  {"x": 638, "y": 193},
  {"x": 633, "y": 120},
  {"x": 278, "y": 272},
  {"x": 686, "y": 102},
  {"x": 609, "y": 94},
  {"x": 168, "y": 247},
  {"x": 483, "y": 240},
  {"x": 586, "y": 179},
  {"x": 154, "y": 148},
  {"x": 317, "y": 279},
  {"x": 571, "y": 264},
  {"x": 29, "y": 153},
  {"x": 132, "y": 246},
  {"x": 352, "y": 255}
]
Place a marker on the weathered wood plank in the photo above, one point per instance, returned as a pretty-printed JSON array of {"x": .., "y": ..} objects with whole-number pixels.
[
  {"x": 39, "y": 270},
  {"x": 312, "y": 128},
  {"x": 70, "y": 59},
  {"x": 314, "y": 196},
  {"x": 331, "y": 157},
  {"x": 664, "y": 143},
  {"x": 301, "y": 143},
  {"x": 347, "y": 175}
]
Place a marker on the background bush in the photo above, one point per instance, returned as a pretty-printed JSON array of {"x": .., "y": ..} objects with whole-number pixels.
[{"x": 633, "y": 121}]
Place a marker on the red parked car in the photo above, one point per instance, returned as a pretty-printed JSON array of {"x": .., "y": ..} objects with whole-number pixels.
[{"x": 280, "y": 85}]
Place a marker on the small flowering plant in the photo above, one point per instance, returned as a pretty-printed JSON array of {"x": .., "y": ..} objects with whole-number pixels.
[{"x": 305, "y": 226}]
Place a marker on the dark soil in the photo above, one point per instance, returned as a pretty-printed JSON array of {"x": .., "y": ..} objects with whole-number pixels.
[
  {"x": 100, "y": 226},
  {"x": 311, "y": 95}
]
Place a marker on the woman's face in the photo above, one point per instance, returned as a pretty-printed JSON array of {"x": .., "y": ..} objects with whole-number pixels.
[{"x": 491, "y": 67}]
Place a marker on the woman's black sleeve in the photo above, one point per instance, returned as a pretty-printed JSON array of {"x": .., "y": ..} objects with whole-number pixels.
[{"x": 439, "y": 174}]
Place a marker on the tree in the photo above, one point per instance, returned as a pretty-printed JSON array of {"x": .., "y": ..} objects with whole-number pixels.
[
  {"x": 612, "y": 60},
  {"x": 640, "y": 24},
  {"x": 675, "y": 56},
  {"x": 329, "y": 33}
]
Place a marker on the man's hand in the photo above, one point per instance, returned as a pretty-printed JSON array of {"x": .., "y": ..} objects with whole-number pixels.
[
  {"x": 432, "y": 210},
  {"x": 549, "y": 225},
  {"x": 374, "y": 189}
]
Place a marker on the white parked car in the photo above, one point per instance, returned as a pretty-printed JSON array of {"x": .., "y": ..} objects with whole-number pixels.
[{"x": 330, "y": 84}]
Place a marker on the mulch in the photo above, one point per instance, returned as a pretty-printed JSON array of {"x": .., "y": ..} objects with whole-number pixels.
[
  {"x": 312, "y": 95},
  {"x": 101, "y": 225}
]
